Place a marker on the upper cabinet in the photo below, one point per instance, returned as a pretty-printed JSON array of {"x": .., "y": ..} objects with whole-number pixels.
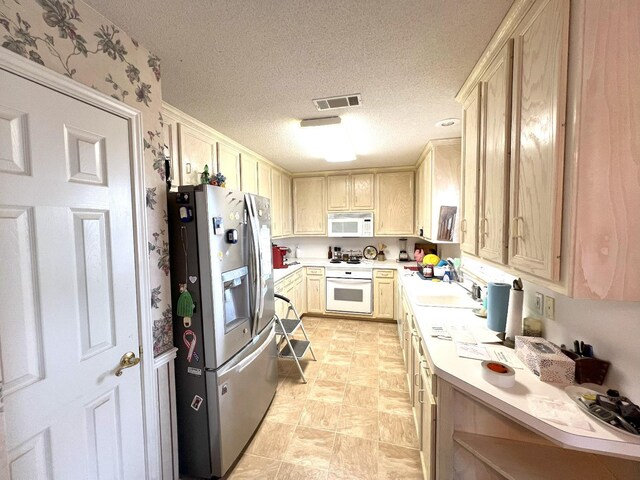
[
  {"x": 264, "y": 180},
  {"x": 248, "y": 173},
  {"x": 229, "y": 165},
  {"x": 310, "y": 206},
  {"x": 573, "y": 189},
  {"x": 395, "y": 200},
  {"x": 287, "y": 213},
  {"x": 494, "y": 158},
  {"x": 350, "y": 192},
  {"x": 276, "y": 203},
  {"x": 470, "y": 172},
  {"x": 438, "y": 186},
  {"x": 539, "y": 93},
  {"x": 196, "y": 150}
]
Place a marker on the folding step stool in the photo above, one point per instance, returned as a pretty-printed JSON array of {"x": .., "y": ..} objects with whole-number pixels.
[{"x": 289, "y": 347}]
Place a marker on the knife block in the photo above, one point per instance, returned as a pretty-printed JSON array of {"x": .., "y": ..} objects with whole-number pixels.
[{"x": 589, "y": 369}]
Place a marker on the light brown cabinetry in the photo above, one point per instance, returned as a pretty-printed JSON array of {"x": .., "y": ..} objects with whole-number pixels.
[
  {"x": 276, "y": 203},
  {"x": 315, "y": 284},
  {"x": 196, "y": 151},
  {"x": 229, "y": 165},
  {"x": 248, "y": 173},
  {"x": 520, "y": 86},
  {"x": 427, "y": 426},
  {"x": 470, "y": 172},
  {"x": 437, "y": 186},
  {"x": 293, "y": 287},
  {"x": 384, "y": 288},
  {"x": 395, "y": 201},
  {"x": 350, "y": 192},
  {"x": 264, "y": 180},
  {"x": 494, "y": 159},
  {"x": 539, "y": 93},
  {"x": 287, "y": 216},
  {"x": 309, "y": 206}
]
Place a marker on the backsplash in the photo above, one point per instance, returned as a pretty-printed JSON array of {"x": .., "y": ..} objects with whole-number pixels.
[
  {"x": 317, "y": 247},
  {"x": 613, "y": 328},
  {"x": 71, "y": 38}
]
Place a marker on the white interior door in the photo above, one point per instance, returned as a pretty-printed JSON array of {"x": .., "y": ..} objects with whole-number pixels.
[{"x": 67, "y": 288}]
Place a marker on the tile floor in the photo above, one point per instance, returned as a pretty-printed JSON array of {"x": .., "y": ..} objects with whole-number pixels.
[{"x": 353, "y": 418}]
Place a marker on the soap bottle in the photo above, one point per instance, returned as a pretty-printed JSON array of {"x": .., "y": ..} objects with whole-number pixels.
[{"x": 329, "y": 255}]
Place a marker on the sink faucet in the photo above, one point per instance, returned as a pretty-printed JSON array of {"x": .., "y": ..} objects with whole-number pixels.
[{"x": 456, "y": 276}]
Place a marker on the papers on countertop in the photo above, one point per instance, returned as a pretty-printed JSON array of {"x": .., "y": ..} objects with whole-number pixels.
[
  {"x": 464, "y": 334},
  {"x": 558, "y": 411},
  {"x": 489, "y": 352}
]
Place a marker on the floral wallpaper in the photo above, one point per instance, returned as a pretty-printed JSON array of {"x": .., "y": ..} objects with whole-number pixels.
[{"x": 71, "y": 38}]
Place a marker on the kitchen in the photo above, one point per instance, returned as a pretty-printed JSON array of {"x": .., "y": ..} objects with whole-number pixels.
[{"x": 594, "y": 283}]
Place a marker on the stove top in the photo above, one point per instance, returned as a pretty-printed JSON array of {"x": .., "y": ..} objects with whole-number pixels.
[{"x": 354, "y": 261}]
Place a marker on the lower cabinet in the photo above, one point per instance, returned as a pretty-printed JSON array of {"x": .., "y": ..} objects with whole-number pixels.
[
  {"x": 384, "y": 288},
  {"x": 293, "y": 287},
  {"x": 315, "y": 290},
  {"x": 422, "y": 389}
]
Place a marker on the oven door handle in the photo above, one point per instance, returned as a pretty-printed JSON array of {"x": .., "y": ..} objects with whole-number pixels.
[{"x": 350, "y": 281}]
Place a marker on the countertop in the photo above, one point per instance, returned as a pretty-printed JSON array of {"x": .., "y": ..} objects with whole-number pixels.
[{"x": 465, "y": 375}]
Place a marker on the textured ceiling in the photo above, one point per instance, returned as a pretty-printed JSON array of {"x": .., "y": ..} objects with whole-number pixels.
[{"x": 250, "y": 68}]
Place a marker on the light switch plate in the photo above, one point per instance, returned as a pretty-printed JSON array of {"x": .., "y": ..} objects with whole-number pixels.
[
  {"x": 549, "y": 307},
  {"x": 539, "y": 303}
]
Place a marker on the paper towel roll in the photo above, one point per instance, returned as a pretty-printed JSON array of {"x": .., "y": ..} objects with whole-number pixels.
[
  {"x": 497, "y": 303},
  {"x": 514, "y": 313}
]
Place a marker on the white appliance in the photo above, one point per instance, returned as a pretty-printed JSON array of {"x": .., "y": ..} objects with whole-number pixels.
[
  {"x": 349, "y": 290},
  {"x": 352, "y": 224}
]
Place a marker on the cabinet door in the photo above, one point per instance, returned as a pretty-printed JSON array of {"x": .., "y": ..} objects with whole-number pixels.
[
  {"x": 196, "y": 151},
  {"x": 309, "y": 206},
  {"x": 248, "y": 173},
  {"x": 229, "y": 165},
  {"x": 362, "y": 191},
  {"x": 276, "y": 203},
  {"x": 383, "y": 300},
  {"x": 540, "y": 76},
  {"x": 427, "y": 426},
  {"x": 427, "y": 205},
  {"x": 315, "y": 294},
  {"x": 394, "y": 197},
  {"x": 420, "y": 195},
  {"x": 494, "y": 176},
  {"x": 338, "y": 192},
  {"x": 264, "y": 180},
  {"x": 470, "y": 172},
  {"x": 287, "y": 227}
]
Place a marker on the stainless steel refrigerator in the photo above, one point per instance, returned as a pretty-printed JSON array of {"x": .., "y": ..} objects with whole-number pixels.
[{"x": 226, "y": 369}]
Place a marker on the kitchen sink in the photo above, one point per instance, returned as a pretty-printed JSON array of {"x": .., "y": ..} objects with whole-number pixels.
[{"x": 442, "y": 294}]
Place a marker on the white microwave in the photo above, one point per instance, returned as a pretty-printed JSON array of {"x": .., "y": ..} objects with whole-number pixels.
[{"x": 350, "y": 224}]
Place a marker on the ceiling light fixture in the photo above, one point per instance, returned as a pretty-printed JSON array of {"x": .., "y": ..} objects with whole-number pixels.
[
  {"x": 448, "y": 122},
  {"x": 328, "y": 138}
]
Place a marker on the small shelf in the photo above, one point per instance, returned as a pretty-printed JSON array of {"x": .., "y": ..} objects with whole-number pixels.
[
  {"x": 300, "y": 347},
  {"x": 517, "y": 460}
]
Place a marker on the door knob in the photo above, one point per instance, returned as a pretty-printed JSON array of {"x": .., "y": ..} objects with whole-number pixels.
[{"x": 128, "y": 360}]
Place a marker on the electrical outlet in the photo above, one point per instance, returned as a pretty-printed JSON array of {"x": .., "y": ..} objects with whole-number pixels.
[
  {"x": 539, "y": 303},
  {"x": 549, "y": 307}
]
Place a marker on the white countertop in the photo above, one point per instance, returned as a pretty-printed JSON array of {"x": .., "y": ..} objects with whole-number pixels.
[{"x": 465, "y": 375}]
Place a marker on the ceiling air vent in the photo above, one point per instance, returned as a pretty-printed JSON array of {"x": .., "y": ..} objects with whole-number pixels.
[{"x": 343, "y": 101}]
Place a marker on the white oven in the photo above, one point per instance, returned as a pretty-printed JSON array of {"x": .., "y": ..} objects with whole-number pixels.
[
  {"x": 357, "y": 224},
  {"x": 349, "y": 290}
]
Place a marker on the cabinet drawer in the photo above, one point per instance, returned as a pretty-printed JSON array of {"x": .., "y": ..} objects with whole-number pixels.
[
  {"x": 384, "y": 273},
  {"x": 315, "y": 271}
]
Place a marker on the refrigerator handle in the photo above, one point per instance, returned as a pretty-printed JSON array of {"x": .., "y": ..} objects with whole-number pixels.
[
  {"x": 257, "y": 280},
  {"x": 259, "y": 260}
]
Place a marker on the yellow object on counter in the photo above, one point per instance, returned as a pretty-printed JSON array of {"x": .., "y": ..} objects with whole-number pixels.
[{"x": 431, "y": 259}]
